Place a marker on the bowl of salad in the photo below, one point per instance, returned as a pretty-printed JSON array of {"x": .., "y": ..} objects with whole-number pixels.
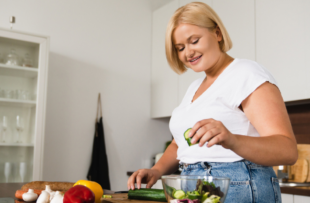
[{"x": 195, "y": 189}]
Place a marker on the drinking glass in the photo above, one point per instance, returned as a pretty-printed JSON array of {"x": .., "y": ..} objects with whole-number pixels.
[
  {"x": 12, "y": 58},
  {"x": 27, "y": 61},
  {"x": 19, "y": 128},
  {"x": 22, "y": 170},
  {"x": 4, "y": 128},
  {"x": 7, "y": 171}
]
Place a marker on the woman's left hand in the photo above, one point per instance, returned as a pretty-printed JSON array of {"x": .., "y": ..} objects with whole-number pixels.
[{"x": 213, "y": 132}]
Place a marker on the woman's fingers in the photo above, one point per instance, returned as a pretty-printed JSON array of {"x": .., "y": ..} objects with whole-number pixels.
[
  {"x": 210, "y": 134},
  {"x": 151, "y": 182},
  {"x": 202, "y": 131},
  {"x": 131, "y": 181},
  {"x": 215, "y": 140},
  {"x": 139, "y": 178},
  {"x": 198, "y": 125}
]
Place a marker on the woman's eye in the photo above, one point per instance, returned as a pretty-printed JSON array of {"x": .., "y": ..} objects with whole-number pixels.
[
  {"x": 195, "y": 42},
  {"x": 181, "y": 49}
]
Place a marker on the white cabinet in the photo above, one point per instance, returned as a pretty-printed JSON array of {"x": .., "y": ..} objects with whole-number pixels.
[
  {"x": 22, "y": 105},
  {"x": 282, "y": 44},
  {"x": 164, "y": 85},
  {"x": 301, "y": 199},
  {"x": 287, "y": 198}
]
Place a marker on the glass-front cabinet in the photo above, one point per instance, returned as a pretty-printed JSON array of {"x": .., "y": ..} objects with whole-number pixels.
[{"x": 23, "y": 84}]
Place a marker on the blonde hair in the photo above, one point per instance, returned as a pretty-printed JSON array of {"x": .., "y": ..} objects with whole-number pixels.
[{"x": 195, "y": 13}]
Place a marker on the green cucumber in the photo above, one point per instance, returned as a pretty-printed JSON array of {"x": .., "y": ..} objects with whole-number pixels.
[
  {"x": 187, "y": 138},
  {"x": 147, "y": 194},
  {"x": 179, "y": 194}
]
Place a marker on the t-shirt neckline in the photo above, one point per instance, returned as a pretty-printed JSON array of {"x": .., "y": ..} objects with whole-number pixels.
[{"x": 212, "y": 85}]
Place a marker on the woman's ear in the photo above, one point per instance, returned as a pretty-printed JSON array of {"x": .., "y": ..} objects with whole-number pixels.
[{"x": 218, "y": 33}]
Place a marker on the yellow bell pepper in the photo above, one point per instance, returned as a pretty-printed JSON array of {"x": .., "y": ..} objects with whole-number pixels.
[{"x": 93, "y": 186}]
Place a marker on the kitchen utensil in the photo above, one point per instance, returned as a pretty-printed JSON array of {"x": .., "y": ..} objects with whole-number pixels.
[
  {"x": 304, "y": 153},
  {"x": 123, "y": 198},
  {"x": 172, "y": 183}
]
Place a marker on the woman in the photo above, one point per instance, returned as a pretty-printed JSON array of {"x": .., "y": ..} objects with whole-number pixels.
[{"x": 236, "y": 112}]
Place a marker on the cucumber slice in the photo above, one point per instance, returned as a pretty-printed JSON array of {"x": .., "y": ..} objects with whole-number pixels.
[
  {"x": 188, "y": 139},
  {"x": 179, "y": 194}
]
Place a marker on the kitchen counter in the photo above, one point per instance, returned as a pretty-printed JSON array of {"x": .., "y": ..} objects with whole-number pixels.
[
  {"x": 304, "y": 191},
  {"x": 9, "y": 189}
]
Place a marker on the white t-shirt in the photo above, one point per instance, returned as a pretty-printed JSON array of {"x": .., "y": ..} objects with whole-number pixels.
[{"x": 220, "y": 102}]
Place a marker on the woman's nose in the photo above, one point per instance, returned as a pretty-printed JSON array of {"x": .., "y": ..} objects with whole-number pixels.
[{"x": 189, "y": 53}]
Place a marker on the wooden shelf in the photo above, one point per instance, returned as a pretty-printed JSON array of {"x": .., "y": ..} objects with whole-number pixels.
[
  {"x": 18, "y": 71},
  {"x": 16, "y": 144},
  {"x": 18, "y": 103}
]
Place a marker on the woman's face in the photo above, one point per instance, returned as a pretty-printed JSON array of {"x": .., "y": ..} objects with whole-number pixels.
[{"x": 197, "y": 47}]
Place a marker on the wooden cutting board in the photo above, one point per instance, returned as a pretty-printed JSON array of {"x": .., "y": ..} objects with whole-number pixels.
[
  {"x": 299, "y": 171},
  {"x": 123, "y": 198},
  {"x": 304, "y": 153}
]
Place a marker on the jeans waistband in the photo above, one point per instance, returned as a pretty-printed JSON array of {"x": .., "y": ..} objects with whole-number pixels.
[{"x": 207, "y": 164}]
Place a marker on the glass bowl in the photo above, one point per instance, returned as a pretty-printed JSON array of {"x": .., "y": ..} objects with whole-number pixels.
[{"x": 195, "y": 189}]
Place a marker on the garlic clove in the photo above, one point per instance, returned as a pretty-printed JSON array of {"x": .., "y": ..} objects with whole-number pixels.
[
  {"x": 44, "y": 197},
  {"x": 58, "y": 198},
  {"x": 30, "y": 196},
  {"x": 48, "y": 188}
]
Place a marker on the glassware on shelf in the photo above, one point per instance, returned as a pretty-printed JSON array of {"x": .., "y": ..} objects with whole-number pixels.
[
  {"x": 12, "y": 58},
  {"x": 4, "y": 128},
  {"x": 1, "y": 58},
  {"x": 1, "y": 93},
  {"x": 27, "y": 61},
  {"x": 7, "y": 171},
  {"x": 19, "y": 128},
  {"x": 9, "y": 94},
  {"x": 22, "y": 170}
]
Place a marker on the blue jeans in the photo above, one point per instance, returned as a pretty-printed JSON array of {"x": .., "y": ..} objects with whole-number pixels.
[{"x": 250, "y": 183}]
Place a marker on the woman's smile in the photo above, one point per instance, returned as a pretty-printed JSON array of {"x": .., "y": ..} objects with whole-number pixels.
[{"x": 194, "y": 60}]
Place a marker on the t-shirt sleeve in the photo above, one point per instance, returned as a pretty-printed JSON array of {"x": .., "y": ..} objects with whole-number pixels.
[{"x": 248, "y": 76}]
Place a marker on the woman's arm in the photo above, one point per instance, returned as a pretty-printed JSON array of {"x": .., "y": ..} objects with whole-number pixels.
[
  {"x": 267, "y": 113},
  {"x": 167, "y": 164}
]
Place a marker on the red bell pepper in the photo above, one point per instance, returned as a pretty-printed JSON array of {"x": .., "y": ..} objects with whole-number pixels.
[{"x": 79, "y": 194}]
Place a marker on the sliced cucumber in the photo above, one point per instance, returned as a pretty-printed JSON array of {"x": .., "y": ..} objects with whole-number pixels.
[
  {"x": 187, "y": 138},
  {"x": 179, "y": 194}
]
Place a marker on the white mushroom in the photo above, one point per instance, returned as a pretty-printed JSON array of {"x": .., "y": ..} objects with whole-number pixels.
[
  {"x": 30, "y": 196},
  {"x": 58, "y": 198},
  {"x": 44, "y": 197}
]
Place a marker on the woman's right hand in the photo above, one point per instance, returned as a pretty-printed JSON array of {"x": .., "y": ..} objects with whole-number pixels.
[{"x": 147, "y": 176}]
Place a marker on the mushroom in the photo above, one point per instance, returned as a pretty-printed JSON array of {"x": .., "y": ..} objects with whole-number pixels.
[
  {"x": 44, "y": 197},
  {"x": 30, "y": 196}
]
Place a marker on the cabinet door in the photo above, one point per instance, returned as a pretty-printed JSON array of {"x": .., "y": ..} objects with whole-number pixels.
[
  {"x": 189, "y": 76},
  {"x": 164, "y": 88},
  {"x": 306, "y": 14},
  {"x": 301, "y": 199},
  {"x": 22, "y": 108},
  {"x": 286, "y": 198},
  {"x": 281, "y": 47}
]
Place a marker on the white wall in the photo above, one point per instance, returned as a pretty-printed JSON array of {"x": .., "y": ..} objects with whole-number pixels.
[{"x": 96, "y": 46}]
